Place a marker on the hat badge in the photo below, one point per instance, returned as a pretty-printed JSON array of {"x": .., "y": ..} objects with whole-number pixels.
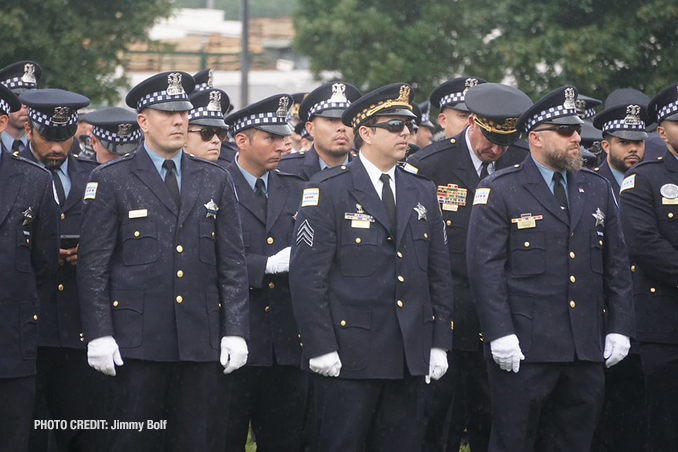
[
  {"x": 469, "y": 83},
  {"x": 210, "y": 78},
  {"x": 569, "y": 99},
  {"x": 60, "y": 115},
  {"x": 632, "y": 115},
  {"x": 124, "y": 130},
  {"x": 174, "y": 86},
  {"x": 338, "y": 93},
  {"x": 215, "y": 101},
  {"x": 283, "y": 105},
  {"x": 581, "y": 106},
  {"x": 404, "y": 95},
  {"x": 29, "y": 73}
]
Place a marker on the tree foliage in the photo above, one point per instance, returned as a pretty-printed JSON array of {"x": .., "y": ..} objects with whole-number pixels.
[
  {"x": 538, "y": 45},
  {"x": 79, "y": 44}
]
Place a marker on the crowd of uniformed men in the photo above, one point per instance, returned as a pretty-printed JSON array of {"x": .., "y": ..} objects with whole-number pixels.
[{"x": 170, "y": 277}]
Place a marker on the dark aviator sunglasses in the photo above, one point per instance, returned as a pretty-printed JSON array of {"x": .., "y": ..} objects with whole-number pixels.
[
  {"x": 206, "y": 134},
  {"x": 396, "y": 125},
  {"x": 566, "y": 130}
]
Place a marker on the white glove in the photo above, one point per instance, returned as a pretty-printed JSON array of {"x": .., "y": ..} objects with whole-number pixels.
[
  {"x": 616, "y": 348},
  {"x": 437, "y": 364},
  {"x": 279, "y": 262},
  {"x": 506, "y": 352},
  {"x": 103, "y": 355},
  {"x": 328, "y": 365},
  {"x": 233, "y": 353}
]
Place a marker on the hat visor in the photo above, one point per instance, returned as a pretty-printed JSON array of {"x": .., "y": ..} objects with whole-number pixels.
[
  {"x": 570, "y": 119},
  {"x": 461, "y": 106},
  {"x": 119, "y": 148},
  {"x": 178, "y": 105},
  {"x": 673, "y": 117},
  {"x": 501, "y": 139},
  {"x": 334, "y": 113},
  {"x": 55, "y": 133},
  {"x": 428, "y": 124},
  {"x": 210, "y": 122},
  {"x": 396, "y": 112},
  {"x": 282, "y": 129},
  {"x": 631, "y": 135}
]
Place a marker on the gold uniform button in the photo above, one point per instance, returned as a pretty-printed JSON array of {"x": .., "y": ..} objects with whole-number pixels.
[
  {"x": 299, "y": 336},
  {"x": 399, "y": 254},
  {"x": 180, "y": 299},
  {"x": 269, "y": 240},
  {"x": 271, "y": 285},
  {"x": 572, "y": 278},
  {"x": 63, "y": 215},
  {"x": 653, "y": 290},
  {"x": 180, "y": 249},
  {"x": 212, "y": 234},
  {"x": 180, "y": 274},
  {"x": 343, "y": 166},
  {"x": 35, "y": 317},
  {"x": 526, "y": 244},
  {"x": 301, "y": 344},
  {"x": 115, "y": 303},
  {"x": 600, "y": 242},
  {"x": 401, "y": 279},
  {"x": 82, "y": 339},
  {"x": 399, "y": 303},
  {"x": 342, "y": 323},
  {"x": 388, "y": 239},
  {"x": 425, "y": 235},
  {"x": 571, "y": 255},
  {"x": 571, "y": 234},
  {"x": 572, "y": 304},
  {"x": 267, "y": 308},
  {"x": 219, "y": 304},
  {"x": 136, "y": 234},
  {"x": 670, "y": 215},
  {"x": 357, "y": 240},
  {"x": 448, "y": 222},
  {"x": 604, "y": 310},
  {"x": 60, "y": 287},
  {"x": 516, "y": 165},
  {"x": 453, "y": 140},
  {"x": 251, "y": 288},
  {"x": 633, "y": 268},
  {"x": 433, "y": 317},
  {"x": 28, "y": 241}
]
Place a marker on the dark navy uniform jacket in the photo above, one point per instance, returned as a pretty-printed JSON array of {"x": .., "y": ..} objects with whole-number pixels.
[
  {"x": 167, "y": 283},
  {"x": 273, "y": 330},
  {"x": 28, "y": 261},
  {"x": 303, "y": 163},
  {"x": 381, "y": 301},
  {"x": 60, "y": 325},
  {"x": 650, "y": 221},
  {"x": 605, "y": 171},
  {"x": 227, "y": 154},
  {"x": 560, "y": 284},
  {"x": 448, "y": 162}
]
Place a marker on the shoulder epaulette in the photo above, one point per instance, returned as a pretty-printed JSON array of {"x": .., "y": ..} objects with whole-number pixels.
[
  {"x": 284, "y": 174},
  {"x": 434, "y": 148},
  {"x": 329, "y": 173},
  {"x": 504, "y": 171},
  {"x": 294, "y": 155},
  {"x": 590, "y": 171},
  {"x": 408, "y": 168},
  {"x": 18, "y": 158}
]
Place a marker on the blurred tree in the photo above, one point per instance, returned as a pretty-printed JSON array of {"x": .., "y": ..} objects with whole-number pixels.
[{"x": 79, "y": 44}]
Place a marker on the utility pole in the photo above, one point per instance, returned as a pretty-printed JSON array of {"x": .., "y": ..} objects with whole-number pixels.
[{"x": 244, "y": 54}]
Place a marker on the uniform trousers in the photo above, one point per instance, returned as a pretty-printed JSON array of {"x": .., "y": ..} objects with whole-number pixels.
[
  {"x": 273, "y": 398},
  {"x": 369, "y": 415},
  {"x": 660, "y": 366},
  {"x": 184, "y": 394},
  {"x": 17, "y": 398},
  {"x": 545, "y": 407}
]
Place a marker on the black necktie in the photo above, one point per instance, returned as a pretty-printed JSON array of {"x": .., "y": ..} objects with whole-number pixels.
[
  {"x": 17, "y": 146},
  {"x": 559, "y": 192},
  {"x": 260, "y": 193},
  {"x": 171, "y": 181},
  {"x": 388, "y": 200},
  {"x": 61, "y": 194},
  {"x": 483, "y": 170}
]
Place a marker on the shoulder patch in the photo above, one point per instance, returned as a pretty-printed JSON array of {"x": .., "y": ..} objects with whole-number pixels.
[
  {"x": 628, "y": 183},
  {"x": 410, "y": 168},
  {"x": 91, "y": 190},
  {"x": 310, "y": 197},
  {"x": 481, "y": 197}
]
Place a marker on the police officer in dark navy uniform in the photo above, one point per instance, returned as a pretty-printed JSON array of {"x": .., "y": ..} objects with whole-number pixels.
[
  {"x": 270, "y": 391},
  {"x": 448, "y": 98},
  {"x": 29, "y": 238},
  {"x": 370, "y": 283},
  {"x": 456, "y": 170},
  {"x": 162, "y": 278},
  {"x": 648, "y": 199},
  {"x": 552, "y": 285},
  {"x": 18, "y": 77},
  {"x": 332, "y": 140},
  {"x": 206, "y": 127},
  {"x": 115, "y": 133}
]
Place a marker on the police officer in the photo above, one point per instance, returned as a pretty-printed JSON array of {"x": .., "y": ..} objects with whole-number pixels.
[
  {"x": 162, "y": 277},
  {"x": 456, "y": 171},
  {"x": 294, "y": 119},
  {"x": 270, "y": 391},
  {"x": 18, "y": 77},
  {"x": 552, "y": 286},
  {"x": 306, "y": 139},
  {"x": 115, "y": 132},
  {"x": 448, "y": 98},
  {"x": 206, "y": 127},
  {"x": 321, "y": 112},
  {"x": 648, "y": 198},
  {"x": 370, "y": 285},
  {"x": 29, "y": 238},
  {"x": 425, "y": 130}
]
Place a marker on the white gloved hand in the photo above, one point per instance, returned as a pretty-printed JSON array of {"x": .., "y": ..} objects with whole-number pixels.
[
  {"x": 437, "y": 365},
  {"x": 233, "y": 353},
  {"x": 103, "y": 355},
  {"x": 616, "y": 348},
  {"x": 328, "y": 365},
  {"x": 279, "y": 262},
  {"x": 506, "y": 352}
]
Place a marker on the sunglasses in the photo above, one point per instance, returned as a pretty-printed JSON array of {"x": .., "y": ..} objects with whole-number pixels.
[
  {"x": 566, "y": 130},
  {"x": 207, "y": 134},
  {"x": 396, "y": 125}
]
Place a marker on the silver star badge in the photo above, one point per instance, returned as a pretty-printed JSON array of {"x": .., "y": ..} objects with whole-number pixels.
[
  {"x": 212, "y": 209},
  {"x": 421, "y": 211},
  {"x": 600, "y": 217}
]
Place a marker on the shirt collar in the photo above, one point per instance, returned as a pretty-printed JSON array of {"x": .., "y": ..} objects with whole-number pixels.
[
  {"x": 324, "y": 165},
  {"x": 158, "y": 160},
  {"x": 251, "y": 180},
  {"x": 375, "y": 173},
  {"x": 477, "y": 163},
  {"x": 618, "y": 175},
  {"x": 8, "y": 141},
  {"x": 547, "y": 174}
]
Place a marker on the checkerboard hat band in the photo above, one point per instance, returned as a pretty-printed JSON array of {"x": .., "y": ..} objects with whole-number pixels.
[
  {"x": 201, "y": 87},
  {"x": 203, "y": 112},
  {"x": 158, "y": 97},
  {"x": 618, "y": 124},
  {"x": 257, "y": 119},
  {"x": 111, "y": 137},
  {"x": 16, "y": 82},
  {"x": 452, "y": 98},
  {"x": 554, "y": 112},
  {"x": 667, "y": 110},
  {"x": 591, "y": 112},
  {"x": 327, "y": 105},
  {"x": 45, "y": 120},
  {"x": 4, "y": 106}
]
